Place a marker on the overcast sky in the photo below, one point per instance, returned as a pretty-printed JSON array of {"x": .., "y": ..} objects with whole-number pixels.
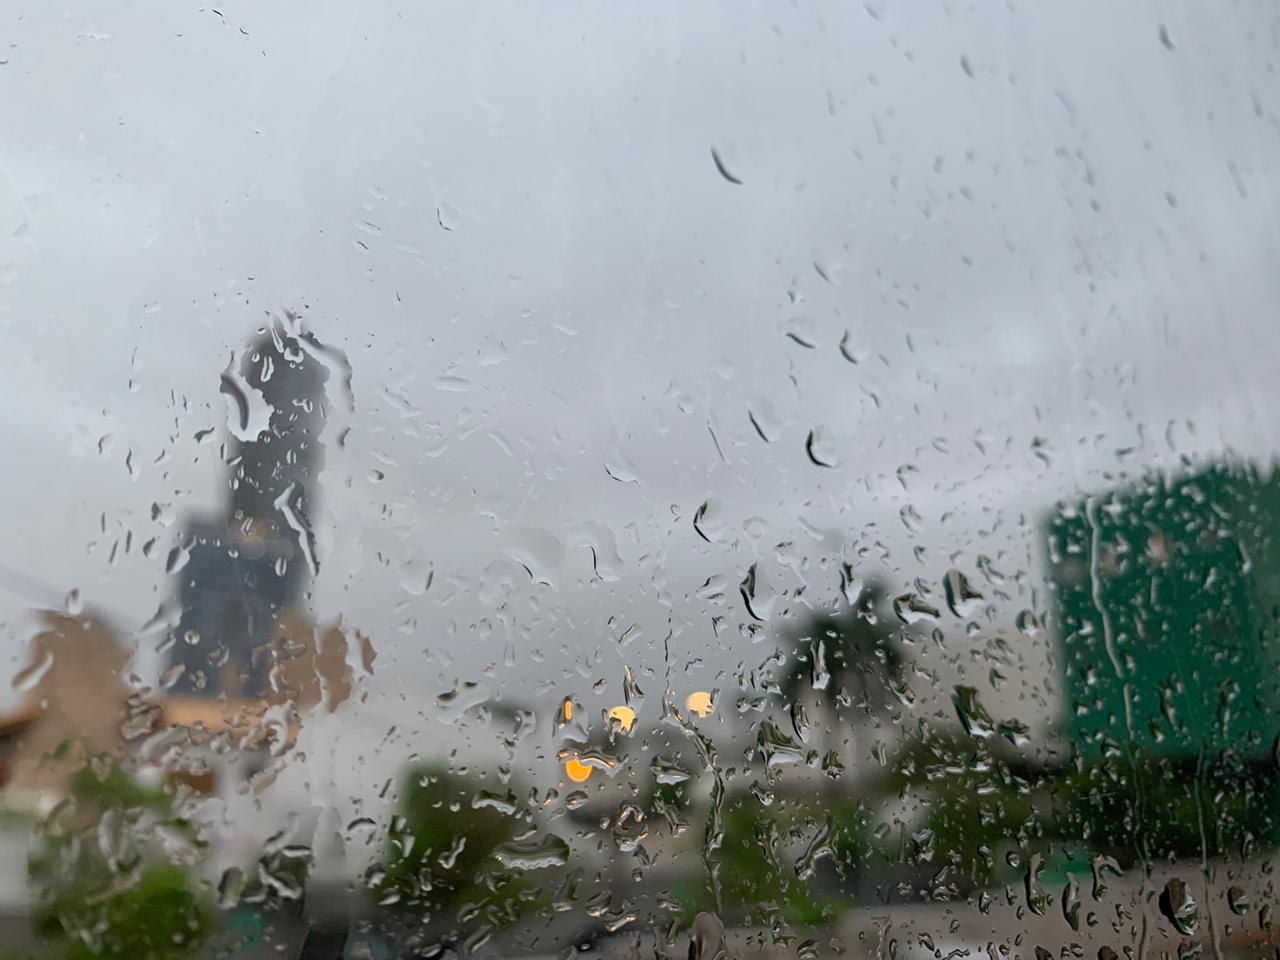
[{"x": 1046, "y": 232}]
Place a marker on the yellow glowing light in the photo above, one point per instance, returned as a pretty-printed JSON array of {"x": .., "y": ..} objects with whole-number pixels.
[
  {"x": 699, "y": 702},
  {"x": 576, "y": 770},
  {"x": 625, "y": 717},
  {"x": 566, "y": 709}
]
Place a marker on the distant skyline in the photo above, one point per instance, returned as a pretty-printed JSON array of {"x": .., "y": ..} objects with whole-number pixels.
[{"x": 986, "y": 259}]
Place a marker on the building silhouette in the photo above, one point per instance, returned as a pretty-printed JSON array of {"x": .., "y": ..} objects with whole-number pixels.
[
  {"x": 1167, "y": 597},
  {"x": 240, "y": 573}
]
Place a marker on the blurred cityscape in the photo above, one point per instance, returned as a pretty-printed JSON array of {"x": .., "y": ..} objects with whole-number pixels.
[{"x": 782, "y": 813}]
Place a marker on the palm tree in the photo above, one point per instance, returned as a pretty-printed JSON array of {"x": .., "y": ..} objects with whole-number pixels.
[{"x": 850, "y": 657}]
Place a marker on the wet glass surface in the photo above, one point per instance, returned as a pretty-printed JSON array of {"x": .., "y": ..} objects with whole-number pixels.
[{"x": 580, "y": 481}]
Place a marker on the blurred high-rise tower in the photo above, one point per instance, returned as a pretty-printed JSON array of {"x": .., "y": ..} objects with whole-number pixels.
[{"x": 245, "y": 569}]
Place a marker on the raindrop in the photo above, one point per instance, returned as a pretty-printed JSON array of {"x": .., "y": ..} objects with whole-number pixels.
[
  {"x": 724, "y": 171},
  {"x": 451, "y": 384},
  {"x": 667, "y": 771},
  {"x": 629, "y": 827},
  {"x": 622, "y": 718},
  {"x": 230, "y": 886},
  {"x": 962, "y": 598},
  {"x": 1028, "y": 624},
  {"x": 801, "y": 331},
  {"x": 708, "y": 521},
  {"x": 291, "y": 508},
  {"x": 847, "y": 351},
  {"x": 450, "y": 856},
  {"x": 776, "y": 748},
  {"x": 1238, "y": 901},
  {"x": 617, "y": 464},
  {"x": 912, "y": 608},
  {"x": 248, "y": 412},
  {"x": 631, "y": 691},
  {"x": 800, "y": 721},
  {"x": 1179, "y": 907},
  {"x": 1102, "y": 865},
  {"x": 763, "y": 418},
  {"x": 550, "y": 851},
  {"x": 447, "y": 217},
  {"x": 1037, "y": 898},
  {"x": 1071, "y": 902},
  {"x": 820, "y": 448},
  {"x": 819, "y": 847},
  {"x": 819, "y": 677},
  {"x": 536, "y": 549},
  {"x": 850, "y": 584},
  {"x": 706, "y": 938},
  {"x": 178, "y": 558},
  {"x": 757, "y": 595},
  {"x": 30, "y": 676}
]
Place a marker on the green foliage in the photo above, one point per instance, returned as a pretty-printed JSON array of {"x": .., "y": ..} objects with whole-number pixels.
[
  {"x": 977, "y": 799},
  {"x": 102, "y": 785},
  {"x": 1169, "y": 809},
  {"x": 159, "y": 917},
  {"x": 102, "y": 890},
  {"x": 440, "y": 861},
  {"x": 759, "y": 861},
  {"x": 975, "y": 804}
]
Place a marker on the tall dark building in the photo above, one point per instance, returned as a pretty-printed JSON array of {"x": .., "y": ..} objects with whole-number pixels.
[{"x": 243, "y": 570}]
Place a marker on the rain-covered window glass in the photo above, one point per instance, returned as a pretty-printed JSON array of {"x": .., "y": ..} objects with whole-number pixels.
[{"x": 661, "y": 480}]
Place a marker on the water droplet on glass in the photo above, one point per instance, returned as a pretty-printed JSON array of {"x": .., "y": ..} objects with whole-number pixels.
[
  {"x": 1179, "y": 907},
  {"x": 1037, "y": 897},
  {"x": 708, "y": 521},
  {"x": 764, "y": 420},
  {"x": 706, "y": 938},
  {"x": 723, "y": 170},
  {"x": 819, "y": 848},
  {"x": 1238, "y": 901},
  {"x": 230, "y": 886},
  {"x": 757, "y": 595},
  {"x": 447, "y": 217},
  {"x": 850, "y": 584},
  {"x": 962, "y": 598},
  {"x": 776, "y": 748},
  {"x": 668, "y": 771},
  {"x": 912, "y": 608},
  {"x": 1071, "y": 902},
  {"x": 527, "y": 854},
  {"x": 1102, "y": 865},
  {"x": 1028, "y": 624},
  {"x": 821, "y": 448},
  {"x": 623, "y": 717}
]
